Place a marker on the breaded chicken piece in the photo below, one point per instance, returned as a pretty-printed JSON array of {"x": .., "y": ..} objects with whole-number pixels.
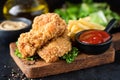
[
  {"x": 55, "y": 49},
  {"x": 45, "y": 27},
  {"x": 28, "y": 44}
]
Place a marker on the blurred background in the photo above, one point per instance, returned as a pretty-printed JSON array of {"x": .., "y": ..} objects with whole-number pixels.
[{"x": 53, "y": 4}]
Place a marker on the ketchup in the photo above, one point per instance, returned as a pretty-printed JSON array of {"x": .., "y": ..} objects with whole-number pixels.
[{"x": 94, "y": 36}]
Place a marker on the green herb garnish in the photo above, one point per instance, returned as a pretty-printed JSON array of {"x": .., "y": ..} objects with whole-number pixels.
[
  {"x": 32, "y": 58},
  {"x": 18, "y": 54},
  {"x": 71, "y": 55},
  {"x": 16, "y": 42}
]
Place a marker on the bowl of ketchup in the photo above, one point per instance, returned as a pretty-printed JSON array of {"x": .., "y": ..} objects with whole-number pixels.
[{"x": 95, "y": 41}]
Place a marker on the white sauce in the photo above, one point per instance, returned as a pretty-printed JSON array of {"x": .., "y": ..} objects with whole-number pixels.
[{"x": 12, "y": 25}]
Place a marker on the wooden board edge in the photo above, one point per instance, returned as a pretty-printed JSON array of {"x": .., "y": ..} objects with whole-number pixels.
[{"x": 78, "y": 64}]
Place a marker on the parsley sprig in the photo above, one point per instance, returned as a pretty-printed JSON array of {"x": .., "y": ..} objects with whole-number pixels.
[{"x": 71, "y": 55}]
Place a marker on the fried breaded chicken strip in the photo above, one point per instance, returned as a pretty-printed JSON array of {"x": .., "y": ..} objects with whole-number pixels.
[
  {"x": 45, "y": 27},
  {"x": 55, "y": 49}
]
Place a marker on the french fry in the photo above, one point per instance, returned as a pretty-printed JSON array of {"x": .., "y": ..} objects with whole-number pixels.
[
  {"x": 91, "y": 25},
  {"x": 74, "y": 26},
  {"x": 82, "y": 26},
  {"x": 71, "y": 23}
]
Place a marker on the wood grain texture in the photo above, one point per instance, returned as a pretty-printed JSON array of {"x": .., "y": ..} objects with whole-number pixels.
[
  {"x": 116, "y": 41},
  {"x": 36, "y": 69}
]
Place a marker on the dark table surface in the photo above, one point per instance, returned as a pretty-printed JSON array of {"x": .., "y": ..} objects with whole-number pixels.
[{"x": 10, "y": 71}]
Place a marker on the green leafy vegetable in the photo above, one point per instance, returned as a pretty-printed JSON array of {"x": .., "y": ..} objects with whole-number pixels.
[
  {"x": 32, "y": 58},
  {"x": 100, "y": 12},
  {"x": 87, "y": 1},
  {"x": 98, "y": 17},
  {"x": 17, "y": 43},
  {"x": 70, "y": 56},
  {"x": 17, "y": 53}
]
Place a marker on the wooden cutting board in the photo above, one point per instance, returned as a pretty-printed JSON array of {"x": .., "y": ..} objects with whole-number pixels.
[
  {"x": 36, "y": 69},
  {"x": 116, "y": 41}
]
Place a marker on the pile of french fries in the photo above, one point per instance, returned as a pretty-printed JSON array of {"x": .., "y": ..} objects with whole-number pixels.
[{"x": 75, "y": 26}]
